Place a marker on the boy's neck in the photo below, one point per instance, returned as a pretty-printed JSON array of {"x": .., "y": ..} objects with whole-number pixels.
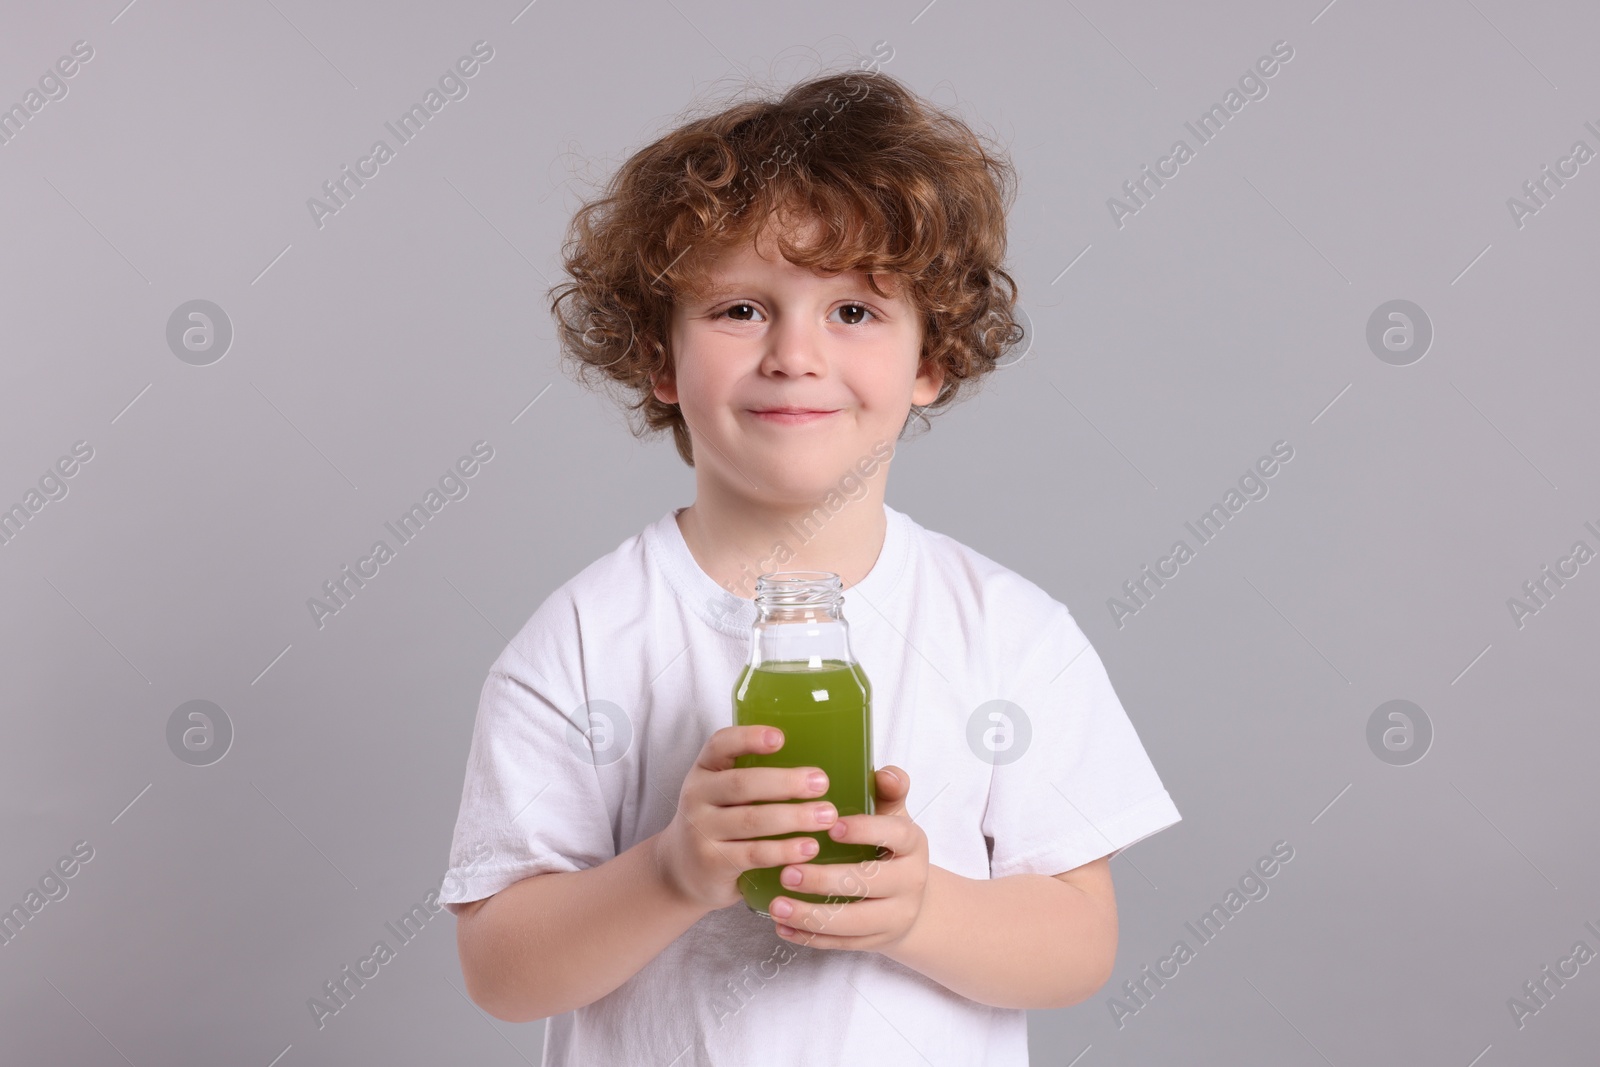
[{"x": 734, "y": 540}]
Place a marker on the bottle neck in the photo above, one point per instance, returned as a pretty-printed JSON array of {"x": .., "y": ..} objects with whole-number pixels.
[
  {"x": 799, "y": 622},
  {"x": 811, "y": 638}
]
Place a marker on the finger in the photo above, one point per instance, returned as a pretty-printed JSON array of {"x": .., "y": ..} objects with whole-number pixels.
[
  {"x": 755, "y": 785},
  {"x": 731, "y": 742},
  {"x": 778, "y": 852},
  {"x": 894, "y": 832},
  {"x": 859, "y": 918},
  {"x": 871, "y": 879},
  {"x": 810, "y": 940},
  {"x": 750, "y": 821},
  {"x": 893, "y": 785}
]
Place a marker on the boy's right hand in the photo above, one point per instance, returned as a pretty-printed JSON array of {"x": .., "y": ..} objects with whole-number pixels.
[{"x": 707, "y": 845}]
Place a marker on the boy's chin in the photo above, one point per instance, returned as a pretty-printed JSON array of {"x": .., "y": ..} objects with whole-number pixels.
[
  {"x": 804, "y": 487},
  {"x": 813, "y": 487}
]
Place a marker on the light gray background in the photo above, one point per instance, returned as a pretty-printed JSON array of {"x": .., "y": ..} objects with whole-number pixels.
[{"x": 369, "y": 354}]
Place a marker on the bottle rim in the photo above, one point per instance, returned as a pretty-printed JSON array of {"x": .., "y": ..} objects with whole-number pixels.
[{"x": 798, "y": 588}]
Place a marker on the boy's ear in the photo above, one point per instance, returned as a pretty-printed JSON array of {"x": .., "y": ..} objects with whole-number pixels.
[
  {"x": 664, "y": 387},
  {"x": 930, "y": 378}
]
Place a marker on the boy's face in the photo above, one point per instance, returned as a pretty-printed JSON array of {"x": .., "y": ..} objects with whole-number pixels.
[{"x": 769, "y": 334}]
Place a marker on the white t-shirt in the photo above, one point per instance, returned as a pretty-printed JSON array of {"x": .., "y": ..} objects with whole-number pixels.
[{"x": 644, "y": 647}]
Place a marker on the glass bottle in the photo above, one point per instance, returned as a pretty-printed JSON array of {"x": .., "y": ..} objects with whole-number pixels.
[{"x": 802, "y": 678}]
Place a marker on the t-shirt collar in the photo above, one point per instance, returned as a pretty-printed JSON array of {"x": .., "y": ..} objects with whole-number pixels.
[{"x": 735, "y": 615}]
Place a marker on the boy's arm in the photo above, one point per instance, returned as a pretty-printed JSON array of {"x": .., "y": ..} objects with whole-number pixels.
[
  {"x": 555, "y": 942},
  {"x": 1022, "y": 941}
]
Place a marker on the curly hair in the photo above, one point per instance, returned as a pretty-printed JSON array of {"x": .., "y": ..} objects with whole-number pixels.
[{"x": 900, "y": 187}]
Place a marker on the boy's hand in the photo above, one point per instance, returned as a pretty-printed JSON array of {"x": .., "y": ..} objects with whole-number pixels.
[
  {"x": 892, "y": 887},
  {"x": 706, "y": 847}
]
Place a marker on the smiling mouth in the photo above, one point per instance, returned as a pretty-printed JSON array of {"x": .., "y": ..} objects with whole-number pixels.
[{"x": 791, "y": 416}]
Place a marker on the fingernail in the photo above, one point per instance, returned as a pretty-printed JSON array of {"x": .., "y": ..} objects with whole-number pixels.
[
  {"x": 818, "y": 781},
  {"x": 781, "y": 908},
  {"x": 774, "y": 739},
  {"x": 789, "y": 877}
]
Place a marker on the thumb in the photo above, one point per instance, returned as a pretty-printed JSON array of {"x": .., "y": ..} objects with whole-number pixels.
[{"x": 894, "y": 784}]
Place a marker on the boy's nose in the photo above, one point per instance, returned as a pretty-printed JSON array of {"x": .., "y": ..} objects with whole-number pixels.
[{"x": 795, "y": 348}]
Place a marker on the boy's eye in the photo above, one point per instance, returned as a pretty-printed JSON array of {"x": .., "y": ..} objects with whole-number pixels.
[{"x": 854, "y": 313}]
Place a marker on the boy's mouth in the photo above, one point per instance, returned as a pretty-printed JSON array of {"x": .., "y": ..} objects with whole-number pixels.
[{"x": 791, "y": 415}]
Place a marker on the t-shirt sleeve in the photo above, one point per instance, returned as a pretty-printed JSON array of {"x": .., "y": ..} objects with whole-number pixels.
[
  {"x": 1072, "y": 783},
  {"x": 531, "y": 802}
]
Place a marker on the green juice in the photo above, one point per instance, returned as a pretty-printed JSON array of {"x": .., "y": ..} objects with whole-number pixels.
[{"x": 826, "y": 718}]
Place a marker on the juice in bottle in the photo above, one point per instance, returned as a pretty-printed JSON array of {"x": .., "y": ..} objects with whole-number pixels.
[{"x": 802, "y": 678}]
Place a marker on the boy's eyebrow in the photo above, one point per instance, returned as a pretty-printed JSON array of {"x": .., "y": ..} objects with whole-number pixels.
[
  {"x": 841, "y": 281},
  {"x": 717, "y": 292}
]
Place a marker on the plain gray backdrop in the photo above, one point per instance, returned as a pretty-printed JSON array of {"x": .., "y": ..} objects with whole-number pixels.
[{"x": 1172, "y": 346}]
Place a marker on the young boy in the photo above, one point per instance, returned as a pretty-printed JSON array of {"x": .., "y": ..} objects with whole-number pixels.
[{"x": 781, "y": 284}]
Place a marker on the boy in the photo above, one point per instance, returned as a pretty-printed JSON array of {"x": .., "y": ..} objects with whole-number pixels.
[{"x": 781, "y": 284}]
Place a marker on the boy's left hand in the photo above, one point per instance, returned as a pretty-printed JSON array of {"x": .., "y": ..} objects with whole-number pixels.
[{"x": 893, "y": 887}]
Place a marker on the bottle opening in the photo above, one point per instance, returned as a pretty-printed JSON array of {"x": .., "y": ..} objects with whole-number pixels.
[{"x": 792, "y": 589}]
